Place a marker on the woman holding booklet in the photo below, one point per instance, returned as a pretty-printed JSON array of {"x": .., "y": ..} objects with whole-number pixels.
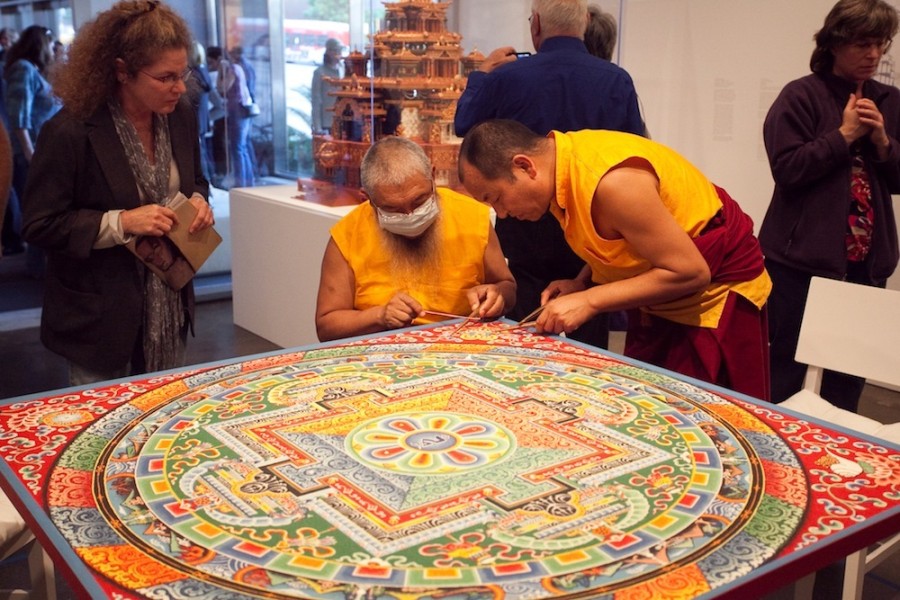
[{"x": 105, "y": 170}]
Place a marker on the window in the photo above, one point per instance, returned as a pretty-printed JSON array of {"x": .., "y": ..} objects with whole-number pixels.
[{"x": 280, "y": 137}]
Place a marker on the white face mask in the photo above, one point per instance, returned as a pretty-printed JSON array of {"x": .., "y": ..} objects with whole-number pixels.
[{"x": 410, "y": 225}]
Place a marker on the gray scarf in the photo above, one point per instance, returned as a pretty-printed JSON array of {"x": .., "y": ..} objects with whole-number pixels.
[{"x": 163, "y": 311}]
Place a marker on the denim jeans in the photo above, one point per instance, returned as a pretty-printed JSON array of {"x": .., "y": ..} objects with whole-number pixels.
[{"x": 241, "y": 167}]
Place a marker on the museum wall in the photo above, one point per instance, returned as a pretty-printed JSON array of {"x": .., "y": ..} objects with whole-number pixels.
[{"x": 706, "y": 72}]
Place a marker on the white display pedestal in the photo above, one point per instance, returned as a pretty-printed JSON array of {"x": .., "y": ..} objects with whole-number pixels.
[{"x": 277, "y": 243}]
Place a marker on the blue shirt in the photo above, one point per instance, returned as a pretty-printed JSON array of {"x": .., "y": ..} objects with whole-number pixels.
[
  {"x": 562, "y": 87},
  {"x": 29, "y": 100}
]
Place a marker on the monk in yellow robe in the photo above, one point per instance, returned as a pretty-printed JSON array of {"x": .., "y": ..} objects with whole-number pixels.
[{"x": 409, "y": 251}]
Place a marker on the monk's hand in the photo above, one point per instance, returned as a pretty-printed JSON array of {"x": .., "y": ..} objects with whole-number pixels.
[
  {"x": 565, "y": 314},
  {"x": 204, "y": 218},
  {"x": 561, "y": 287},
  {"x": 400, "y": 311},
  {"x": 149, "y": 219},
  {"x": 486, "y": 301}
]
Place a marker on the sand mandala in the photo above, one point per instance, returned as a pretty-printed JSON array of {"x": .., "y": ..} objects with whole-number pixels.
[{"x": 503, "y": 464}]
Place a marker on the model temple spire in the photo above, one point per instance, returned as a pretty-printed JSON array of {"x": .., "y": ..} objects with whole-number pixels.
[{"x": 407, "y": 85}]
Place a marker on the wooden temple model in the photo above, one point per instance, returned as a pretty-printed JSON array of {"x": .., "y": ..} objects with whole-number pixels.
[{"x": 407, "y": 85}]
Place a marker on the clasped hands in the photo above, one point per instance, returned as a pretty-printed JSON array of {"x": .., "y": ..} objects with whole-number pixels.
[
  {"x": 402, "y": 309},
  {"x": 862, "y": 117}
]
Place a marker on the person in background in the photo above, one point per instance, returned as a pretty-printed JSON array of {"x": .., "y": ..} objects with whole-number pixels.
[
  {"x": 216, "y": 143},
  {"x": 8, "y": 37},
  {"x": 322, "y": 101},
  {"x": 6, "y": 161},
  {"x": 199, "y": 87},
  {"x": 60, "y": 56},
  {"x": 411, "y": 247},
  {"x": 562, "y": 87},
  {"x": 217, "y": 63},
  {"x": 657, "y": 236},
  {"x": 11, "y": 243},
  {"x": 833, "y": 142},
  {"x": 104, "y": 169},
  {"x": 29, "y": 104},
  {"x": 236, "y": 54},
  {"x": 234, "y": 88},
  {"x": 601, "y": 32},
  {"x": 59, "y": 52}
]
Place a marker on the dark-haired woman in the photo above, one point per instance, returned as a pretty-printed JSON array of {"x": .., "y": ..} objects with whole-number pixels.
[
  {"x": 29, "y": 104},
  {"x": 832, "y": 141}
]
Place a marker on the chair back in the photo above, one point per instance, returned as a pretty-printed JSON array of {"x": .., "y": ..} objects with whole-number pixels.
[{"x": 850, "y": 328}]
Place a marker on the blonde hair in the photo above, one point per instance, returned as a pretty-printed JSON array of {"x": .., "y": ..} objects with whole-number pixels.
[{"x": 135, "y": 31}]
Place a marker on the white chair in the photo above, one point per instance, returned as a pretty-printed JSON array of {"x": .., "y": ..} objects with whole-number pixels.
[
  {"x": 14, "y": 535},
  {"x": 854, "y": 329}
]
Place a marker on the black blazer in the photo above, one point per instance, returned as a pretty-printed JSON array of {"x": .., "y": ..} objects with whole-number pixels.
[{"x": 94, "y": 299}]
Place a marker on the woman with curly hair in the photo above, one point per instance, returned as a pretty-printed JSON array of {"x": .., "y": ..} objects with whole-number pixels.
[{"x": 105, "y": 168}]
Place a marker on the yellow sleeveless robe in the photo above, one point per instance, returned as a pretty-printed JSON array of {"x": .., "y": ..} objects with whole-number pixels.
[
  {"x": 463, "y": 228},
  {"x": 582, "y": 159}
]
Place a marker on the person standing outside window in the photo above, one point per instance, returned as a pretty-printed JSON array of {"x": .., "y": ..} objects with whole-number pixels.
[
  {"x": 832, "y": 142},
  {"x": 238, "y": 97},
  {"x": 199, "y": 87},
  {"x": 322, "y": 101},
  {"x": 561, "y": 87},
  {"x": 217, "y": 147}
]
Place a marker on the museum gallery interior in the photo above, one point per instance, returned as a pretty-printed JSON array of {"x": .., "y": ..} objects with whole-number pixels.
[{"x": 453, "y": 457}]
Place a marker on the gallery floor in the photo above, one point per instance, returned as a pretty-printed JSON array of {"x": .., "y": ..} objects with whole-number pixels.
[{"x": 27, "y": 367}]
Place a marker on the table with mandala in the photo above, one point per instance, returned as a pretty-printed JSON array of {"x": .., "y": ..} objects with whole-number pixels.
[{"x": 437, "y": 463}]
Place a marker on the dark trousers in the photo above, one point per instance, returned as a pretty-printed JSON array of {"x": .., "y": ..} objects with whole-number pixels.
[
  {"x": 12, "y": 225},
  {"x": 219, "y": 149},
  {"x": 734, "y": 354},
  {"x": 35, "y": 258},
  {"x": 787, "y": 302}
]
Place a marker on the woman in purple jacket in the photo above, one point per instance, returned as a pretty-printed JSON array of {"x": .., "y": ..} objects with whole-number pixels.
[{"x": 832, "y": 141}]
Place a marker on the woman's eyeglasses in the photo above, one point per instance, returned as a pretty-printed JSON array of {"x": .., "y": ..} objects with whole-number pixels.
[
  {"x": 171, "y": 78},
  {"x": 865, "y": 45}
]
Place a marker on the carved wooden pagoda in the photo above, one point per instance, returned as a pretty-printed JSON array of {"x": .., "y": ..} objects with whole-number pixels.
[{"x": 406, "y": 85}]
